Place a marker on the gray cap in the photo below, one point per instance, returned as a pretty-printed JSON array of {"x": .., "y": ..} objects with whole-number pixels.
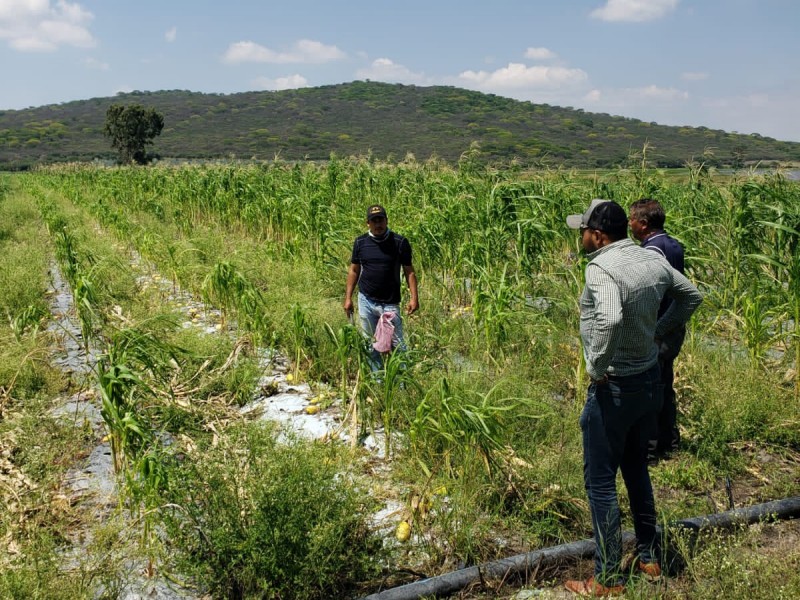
[
  {"x": 603, "y": 215},
  {"x": 578, "y": 221}
]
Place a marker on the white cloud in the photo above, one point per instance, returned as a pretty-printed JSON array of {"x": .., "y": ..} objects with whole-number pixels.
[
  {"x": 303, "y": 52},
  {"x": 593, "y": 96},
  {"x": 634, "y": 10},
  {"x": 517, "y": 76},
  {"x": 651, "y": 103},
  {"x": 93, "y": 63},
  {"x": 38, "y": 26},
  {"x": 10, "y": 9},
  {"x": 625, "y": 98},
  {"x": 290, "y": 82},
  {"x": 770, "y": 114},
  {"x": 739, "y": 102},
  {"x": 539, "y": 54},
  {"x": 653, "y": 92},
  {"x": 694, "y": 76},
  {"x": 758, "y": 100},
  {"x": 247, "y": 52},
  {"x": 384, "y": 69},
  {"x": 171, "y": 34}
]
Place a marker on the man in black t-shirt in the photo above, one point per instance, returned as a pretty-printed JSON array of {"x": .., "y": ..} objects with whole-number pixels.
[
  {"x": 375, "y": 265},
  {"x": 646, "y": 221}
]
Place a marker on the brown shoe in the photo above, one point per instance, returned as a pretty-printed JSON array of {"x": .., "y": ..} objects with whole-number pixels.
[
  {"x": 650, "y": 571},
  {"x": 591, "y": 589}
]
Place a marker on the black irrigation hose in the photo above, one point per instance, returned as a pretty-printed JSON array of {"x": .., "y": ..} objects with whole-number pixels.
[
  {"x": 789, "y": 508},
  {"x": 522, "y": 565}
]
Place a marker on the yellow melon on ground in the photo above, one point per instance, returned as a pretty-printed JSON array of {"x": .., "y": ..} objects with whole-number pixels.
[{"x": 403, "y": 531}]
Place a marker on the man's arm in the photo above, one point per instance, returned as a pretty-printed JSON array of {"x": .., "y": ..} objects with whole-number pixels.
[
  {"x": 686, "y": 298},
  {"x": 352, "y": 278},
  {"x": 607, "y": 322},
  {"x": 411, "y": 279}
]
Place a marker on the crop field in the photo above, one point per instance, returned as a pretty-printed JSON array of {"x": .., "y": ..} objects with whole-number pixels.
[{"x": 185, "y": 410}]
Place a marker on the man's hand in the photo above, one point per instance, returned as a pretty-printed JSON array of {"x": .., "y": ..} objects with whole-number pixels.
[
  {"x": 412, "y": 306},
  {"x": 348, "y": 307}
]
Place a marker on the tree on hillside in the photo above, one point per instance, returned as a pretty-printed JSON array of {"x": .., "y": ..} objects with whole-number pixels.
[
  {"x": 130, "y": 129},
  {"x": 739, "y": 153}
]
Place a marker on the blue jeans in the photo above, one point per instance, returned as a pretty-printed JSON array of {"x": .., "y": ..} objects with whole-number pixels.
[
  {"x": 617, "y": 421},
  {"x": 369, "y": 312}
]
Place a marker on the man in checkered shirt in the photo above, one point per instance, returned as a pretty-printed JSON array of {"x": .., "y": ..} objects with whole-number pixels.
[{"x": 619, "y": 327}]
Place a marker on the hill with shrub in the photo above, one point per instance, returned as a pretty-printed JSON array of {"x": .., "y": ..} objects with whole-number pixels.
[{"x": 388, "y": 121}]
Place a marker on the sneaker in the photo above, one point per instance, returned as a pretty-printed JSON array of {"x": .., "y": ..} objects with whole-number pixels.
[
  {"x": 591, "y": 589},
  {"x": 650, "y": 571}
]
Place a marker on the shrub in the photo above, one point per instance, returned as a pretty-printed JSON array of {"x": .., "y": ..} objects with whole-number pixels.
[{"x": 254, "y": 517}]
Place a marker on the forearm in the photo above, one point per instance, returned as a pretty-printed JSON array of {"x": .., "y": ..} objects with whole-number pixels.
[
  {"x": 686, "y": 298},
  {"x": 350, "y": 287},
  {"x": 411, "y": 279}
]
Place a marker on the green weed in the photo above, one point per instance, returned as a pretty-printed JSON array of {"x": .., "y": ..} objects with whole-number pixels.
[{"x": 255, "y": 518}]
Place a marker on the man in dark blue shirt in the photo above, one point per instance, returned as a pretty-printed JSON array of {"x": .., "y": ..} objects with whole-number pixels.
[
  {"x": 646, "y": 220},
  {"x": 375, "y": 264}
]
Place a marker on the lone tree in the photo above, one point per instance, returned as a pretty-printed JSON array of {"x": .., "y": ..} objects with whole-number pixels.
[{"x": 130, "y": 129}]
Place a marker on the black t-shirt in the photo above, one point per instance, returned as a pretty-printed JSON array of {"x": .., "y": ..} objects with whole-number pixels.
[{"x": 380, "y": 265}]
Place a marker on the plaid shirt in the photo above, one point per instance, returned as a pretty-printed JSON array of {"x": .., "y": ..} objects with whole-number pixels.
[{"x": 619, "y": 306}]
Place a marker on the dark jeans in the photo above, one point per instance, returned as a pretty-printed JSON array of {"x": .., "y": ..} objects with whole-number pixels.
[
  {"x": 668, "y": 437},
  {"x": 617, "y": 422}
]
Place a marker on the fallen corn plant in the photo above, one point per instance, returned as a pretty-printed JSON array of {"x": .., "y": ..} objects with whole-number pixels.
[
  {"x": 230, "y": 289},
  {"x": 130, "y": 355}
]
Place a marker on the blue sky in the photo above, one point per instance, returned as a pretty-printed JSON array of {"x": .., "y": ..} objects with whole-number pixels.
[{"x": 725, "y": 64}]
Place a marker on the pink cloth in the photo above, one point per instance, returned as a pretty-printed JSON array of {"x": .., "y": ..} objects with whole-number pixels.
[{"x": 384, "y": 332}]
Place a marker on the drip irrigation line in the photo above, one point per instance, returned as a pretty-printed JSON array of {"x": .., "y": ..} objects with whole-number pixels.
[
  {"x": 779, "y": 510},
  {"x": 521, "y": 565}
]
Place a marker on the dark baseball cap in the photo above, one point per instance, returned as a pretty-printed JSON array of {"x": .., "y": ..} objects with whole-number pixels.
[
  {"x": 376, "y": 210},
  {"x": 603, "y": 215}
]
